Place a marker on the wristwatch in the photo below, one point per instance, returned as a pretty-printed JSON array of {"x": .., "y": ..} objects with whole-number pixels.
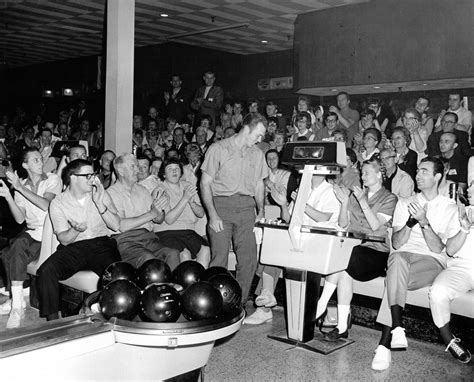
[{"x": 427, "y": 225}]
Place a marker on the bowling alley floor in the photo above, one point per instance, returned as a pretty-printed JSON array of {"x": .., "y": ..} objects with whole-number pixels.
[{"x": 250, "y": 356}]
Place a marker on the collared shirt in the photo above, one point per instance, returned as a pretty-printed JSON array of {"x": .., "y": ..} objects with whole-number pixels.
[
  {"x": 323, "y": 199},
  {"x": 187, "y": 219},
  {"x": 464, "y": 258},
  {"x": 440, "y": 214},
  {"x": 400, "y": 183},
  {"x": 131, "y": 203},
  {"x": 234, "y": 170},
  {"x": 65, "y": 207},
  {"x": 34, "y": 216},
  {"x": 189, "y": 174}
]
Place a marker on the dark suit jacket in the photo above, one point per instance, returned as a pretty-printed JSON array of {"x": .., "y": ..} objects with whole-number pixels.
[
  {"x": 463, "y": 144},
  {"x": 179, "y": 106},
  {"x": 211, "y": 105}
]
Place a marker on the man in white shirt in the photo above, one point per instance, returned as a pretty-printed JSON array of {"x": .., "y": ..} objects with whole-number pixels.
[
  {"x": 30, "y": 204},
  {"x": 464, "y": 116},
  {"x": 421, "y": 226}
]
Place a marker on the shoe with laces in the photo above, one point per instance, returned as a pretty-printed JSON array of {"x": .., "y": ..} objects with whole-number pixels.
[
  {"x": 382, "y": 358},
  {"x": 15, "y": 318},
  {"x": 259, "y": 317},
  {"x": 459, "y": 350},
  {"x": 399, "y": 340},
  {"x": 266, "y": 299}
]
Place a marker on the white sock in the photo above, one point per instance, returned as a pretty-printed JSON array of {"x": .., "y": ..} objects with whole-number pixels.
[
  {"x": 17, "y": 296},
  {"x": 328, "y": 290},
  {"x": 342, "y": 315}
]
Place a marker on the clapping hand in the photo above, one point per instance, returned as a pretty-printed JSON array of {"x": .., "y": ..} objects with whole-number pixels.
[
  {"x": 4, "y": 191},
  {"x": 189, "y": 192},
  {"x": 417, "y": 211},
  {"x": 342, "y": 193},
  {"x": 463, "y": 218},
  {"x": 361, "y": 196},
  {"x": 13, "y": 179}
]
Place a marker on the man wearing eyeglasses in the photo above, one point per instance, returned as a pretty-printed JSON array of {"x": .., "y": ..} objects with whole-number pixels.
[
  {"x": 30, "y": 205},
  {"x": 448, "y": 124},
  {"x": 82, "y": 216},
  {"x": 464, "y": 122},
  {"x": 397, "y": 181}
]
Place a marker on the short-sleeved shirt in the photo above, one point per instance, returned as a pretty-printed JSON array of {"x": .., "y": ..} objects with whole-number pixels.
[
  {"x": 323, "y": 199},
  {"x": 150, "y": 183},
  {"x": 65, "y": 207},
  {"x": 234, "y": 170},
  {"x": 464, "y": 258},
  {"x": 132, "y": 203},
  {"x": 349, "y": 114},
  {"x": 381, "y": 203},
  {"x": 34, "y": 216},
  {"x": 440, "y": 214},
  {"x": 187, "y": 219}
]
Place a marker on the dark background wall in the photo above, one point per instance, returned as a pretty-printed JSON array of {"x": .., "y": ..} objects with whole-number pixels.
[
  {"x": 153, "y": 68},
  {"x": 384, "y": 42}
]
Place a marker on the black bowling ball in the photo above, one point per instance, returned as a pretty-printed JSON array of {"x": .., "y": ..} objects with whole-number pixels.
[
  {"x": 200, "y": 301},
  {"x": 151, "y": 272},
  {"x": 161, "y": 303},
  {"x": 230, "y": 291},
  {"x": 121, "y": 299},
  {"x": 187, "y": 273},
  {"x": 119, "y": 270},
  {"x": 209, "y": 272}
]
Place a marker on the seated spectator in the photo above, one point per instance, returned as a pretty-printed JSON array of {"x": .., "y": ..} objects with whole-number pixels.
[
  {"x": 28, "y": 138},
  {"x": 456, "y": 279},
  {"x": 154, "y": 143},
  {"x": 138, "y": 211},
  {"x": 155, "y": 166},
  {"x": 149, "y": 153},
  {"x": 418, "y": 133},
  {"x": 346, "y": 116},
  {"x": 279, "y": 142},
  {"x": 456, "y": 164},
  {"x": 138, "y": 144},
  {"x": 237, "y": 116},
  {"x": 172, "y": 153},
  {"x": 30, "y": 204},
  {"x": 271, "y": 110},
  {"x": 46, "y": 149},
  {"x": 178, "y": 141},
  {"x": 226, "y": 115},
  {"x": 82, "y": 216},
  {"x": 422, "y": 105},
  {"x": 84, "y": 134},
  {"x": 407, "y": 159},
  {"x": 384, "y": 117},
  {"x": 137, "y": 122},
  {"x": 229, "y": 132},
  {"x": 271, "y": 130},
  {"x": 201, "y": 139},
  {"x": 191, "y": 171},
  {"x": 330, "y": 125},
  {"x": 181, "y": 215},
  {"x": 279, "y": 181},
  {"x": 356, "y": 132},
  {"x": 464, "y": 122},
  {"x": 106, "y": 174},
  {"x": 421, "y": 226},
  {"x": 170, "y": 124},
  {"x": 322, "y": 208},
  {"x": 396, "y": 180},
  {"x": 339, "y": 135},
  {"x": 368, "y": 211},
  {"x": 62, "y": 133},
  {"x": 303, "y": 127},
  {"x": 205, "y": 124},
  {"x": 304, "y": 104},
  {"x": 448, "y": 124},
  {"x": 145, "y": 177},
  {"x": 75, "y": 152},
  {"x": 371, "y": 139}
]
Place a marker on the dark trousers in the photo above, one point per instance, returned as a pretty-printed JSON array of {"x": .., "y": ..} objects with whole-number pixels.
[
  {"x": 93, "y": 254},
  {"x": 238, "y": 216},
  {"x": 23, "y": 250}
]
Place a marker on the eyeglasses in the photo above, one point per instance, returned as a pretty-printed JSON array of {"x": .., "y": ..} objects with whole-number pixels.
[{"x": 88, "y": 176}]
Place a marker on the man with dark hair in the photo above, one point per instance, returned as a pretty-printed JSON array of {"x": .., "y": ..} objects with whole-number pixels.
[
  {"x": 464, "y": 122},
  {"x": 421, "y": 225},
  {"x": 448, "y": 125},
  {"x": 30, "y": 204},
  {"x": 456, "y": 165},
  {"x": 178, "y": 142},
  {"x": 231, "y": 186},
  {"x": 82, "y": 216},
  {"x": 145, "y": 177},
  {"x": 347, "y": 116},
  {"x": 208, "y": 99},
  {"x": 177, "y": 100},
  {"x": 74, "y": 152}
]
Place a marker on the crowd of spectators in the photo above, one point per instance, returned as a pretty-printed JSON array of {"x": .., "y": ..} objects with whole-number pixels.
[{"x": 148, "y": 203}]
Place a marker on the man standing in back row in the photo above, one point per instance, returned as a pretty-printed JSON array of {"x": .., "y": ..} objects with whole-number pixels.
[
  {"x": 231, "y": 186},
  {"x": 208, "y": 99}
]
